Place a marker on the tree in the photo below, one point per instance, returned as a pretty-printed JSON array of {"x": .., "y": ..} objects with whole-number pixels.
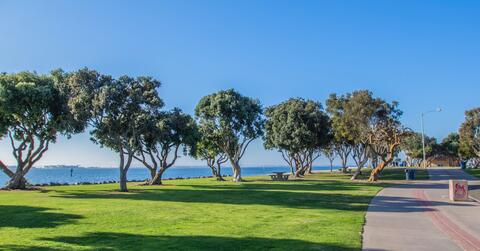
[
  {"x": 298, "y": 129},
  {"x": 385, "y": 136},
  {"x": 352, "y": 115},
  {"x": 232, "y": 122},
  {"x": 329, "y": 152},
  {"x": 469, "y": 136},
  {"x": 343, "y": 140},
  {"x": 115, "y": 109},
  {"x": 207, "y": 150},
  {"x": 33, "y": 112},
  {"x": 449, "y": 148},
  {"x": 161, "y": 137},
  {"x": 413, "y": 148}
]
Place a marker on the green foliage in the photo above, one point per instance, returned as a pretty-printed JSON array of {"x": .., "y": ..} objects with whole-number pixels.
[
  {"x": 296, "y": 125},
  {"x": 298, "y": 128},
  {"x": 115, "y": 108},
  {"x": 33, "y": 111},
  {"x": 228, "y": 113},
  {"x": 33, "y": 104},
  {"x": 353, "y": 117},
  {"x": 232, "y": 121},
  {"x": 169, "y": 129},
  {"x": 352, "y": 114},
  {"x": 469, "y": 134},
  {"x": 120, "y": 107},
  {"x": 82, "y": 89},
  {"x": 450, "y": 145},
  {"x": 412, "y": 146},
  {"x": 207, "y": 150},
  {"x": 161, "y": 133}
]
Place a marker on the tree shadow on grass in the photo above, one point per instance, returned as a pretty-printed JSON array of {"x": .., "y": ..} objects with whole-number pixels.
[
  {"x": 291, "y": 195},
  {"x": 285, "y": 199},
  {"x": 33, "y": 217},
  {"x": 123, "y": 241},
  {"x": 294, "y": 185}
]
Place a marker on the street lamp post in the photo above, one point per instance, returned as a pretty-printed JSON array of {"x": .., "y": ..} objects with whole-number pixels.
[{"x": 423, "y": 135}]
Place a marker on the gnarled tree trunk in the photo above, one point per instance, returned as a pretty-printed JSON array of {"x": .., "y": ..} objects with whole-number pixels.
[
  {"x": 379, "y": 168},
  {"x": 157, "y": 179},
  {"x": 376, "y": 171},
  {"x": 26, "y": 154},
  {"x": 17, "y": 181}
]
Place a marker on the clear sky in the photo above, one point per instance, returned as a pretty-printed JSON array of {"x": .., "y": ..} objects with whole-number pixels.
[{"x": 424, "y": 54}]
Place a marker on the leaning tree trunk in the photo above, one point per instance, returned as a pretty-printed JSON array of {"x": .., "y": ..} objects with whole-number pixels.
[
  {"x": 214, "y": 170},
  {"x": 301, "y": 169},
  {"x": 153, "y": 173},
  {"x": 237, "y": 172},
  {"x": 298, "y": 173},
  {"x": 298, "y": 169},
  {"x": 17, "y": 181},
  {"x": 357, "y": 173},
  {"x": 157, "y": 180},
  {"x": 377, "y": 170}
]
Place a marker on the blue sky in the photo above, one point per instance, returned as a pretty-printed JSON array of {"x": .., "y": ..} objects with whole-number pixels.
[{"x": 424, "y": 54}]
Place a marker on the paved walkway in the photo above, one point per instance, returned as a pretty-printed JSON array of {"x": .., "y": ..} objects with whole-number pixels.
[{"x": 419, "y": 216}]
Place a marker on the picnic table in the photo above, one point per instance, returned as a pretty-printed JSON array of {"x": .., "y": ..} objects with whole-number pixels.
[{"x": 279, "y": 176}]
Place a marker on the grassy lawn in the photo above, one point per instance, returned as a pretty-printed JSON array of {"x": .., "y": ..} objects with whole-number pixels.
[
  {"x": 397, "y": 174},
  {"x": 323, "y": 212},
  {"x": 474, "y": 172}
]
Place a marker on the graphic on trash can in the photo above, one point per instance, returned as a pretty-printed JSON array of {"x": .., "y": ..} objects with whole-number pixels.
[{"x": 458, "y": 190}]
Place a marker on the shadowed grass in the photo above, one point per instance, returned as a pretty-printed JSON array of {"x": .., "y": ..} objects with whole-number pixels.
[
  {"x": 324, "y": 211},
  {"x": 473, "y": 172},
  {"x": 395, "y": 173}
]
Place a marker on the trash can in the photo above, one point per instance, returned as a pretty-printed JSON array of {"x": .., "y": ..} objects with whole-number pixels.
[
  {"x": 463, "y": 164},
  {"x": 409, "y": 174}
]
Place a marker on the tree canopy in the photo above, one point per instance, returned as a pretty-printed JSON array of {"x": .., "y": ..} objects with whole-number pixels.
[
  {"x": 353, "y": 116},
  {"x": 160, "y": 139},
  {"x": 231, "y": 121},
  {"x": 33, "y": 112},
  {"x": 115, "y": 108},
  {"x": 386, "y": 135},
  {"x": 298, "y": 128},
  {"x": 413, "y": 148},
  {"x": 207, "y": 150},
  {"x": 469, "y": 136}
]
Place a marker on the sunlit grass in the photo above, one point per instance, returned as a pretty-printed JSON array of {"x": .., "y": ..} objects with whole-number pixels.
[{"x": 323, "y": 212}]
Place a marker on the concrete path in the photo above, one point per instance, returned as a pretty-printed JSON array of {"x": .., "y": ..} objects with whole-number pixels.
[{"x": 420, "y": 216}]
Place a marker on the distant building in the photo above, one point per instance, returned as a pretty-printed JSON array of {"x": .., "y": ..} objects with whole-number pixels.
[{"x": 444, "y": 161}]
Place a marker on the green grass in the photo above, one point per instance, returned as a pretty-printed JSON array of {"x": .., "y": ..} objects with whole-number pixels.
[
  {"x": 396, "y": 173},
  {"x": 474, "y": 172},
  {"x": 323, "y": 212}
]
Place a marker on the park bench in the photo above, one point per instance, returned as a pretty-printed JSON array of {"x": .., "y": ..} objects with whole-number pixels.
[{"x": 279, "y": 176}]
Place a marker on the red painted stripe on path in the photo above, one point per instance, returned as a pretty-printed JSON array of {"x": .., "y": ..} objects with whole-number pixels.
[{"x": 464, "y": 239}]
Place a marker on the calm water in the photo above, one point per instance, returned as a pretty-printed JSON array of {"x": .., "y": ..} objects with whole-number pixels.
[{"x": 62, "y": 175}]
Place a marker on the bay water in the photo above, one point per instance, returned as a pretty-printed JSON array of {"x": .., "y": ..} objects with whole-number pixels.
[{"x": 73, "y": 175}]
